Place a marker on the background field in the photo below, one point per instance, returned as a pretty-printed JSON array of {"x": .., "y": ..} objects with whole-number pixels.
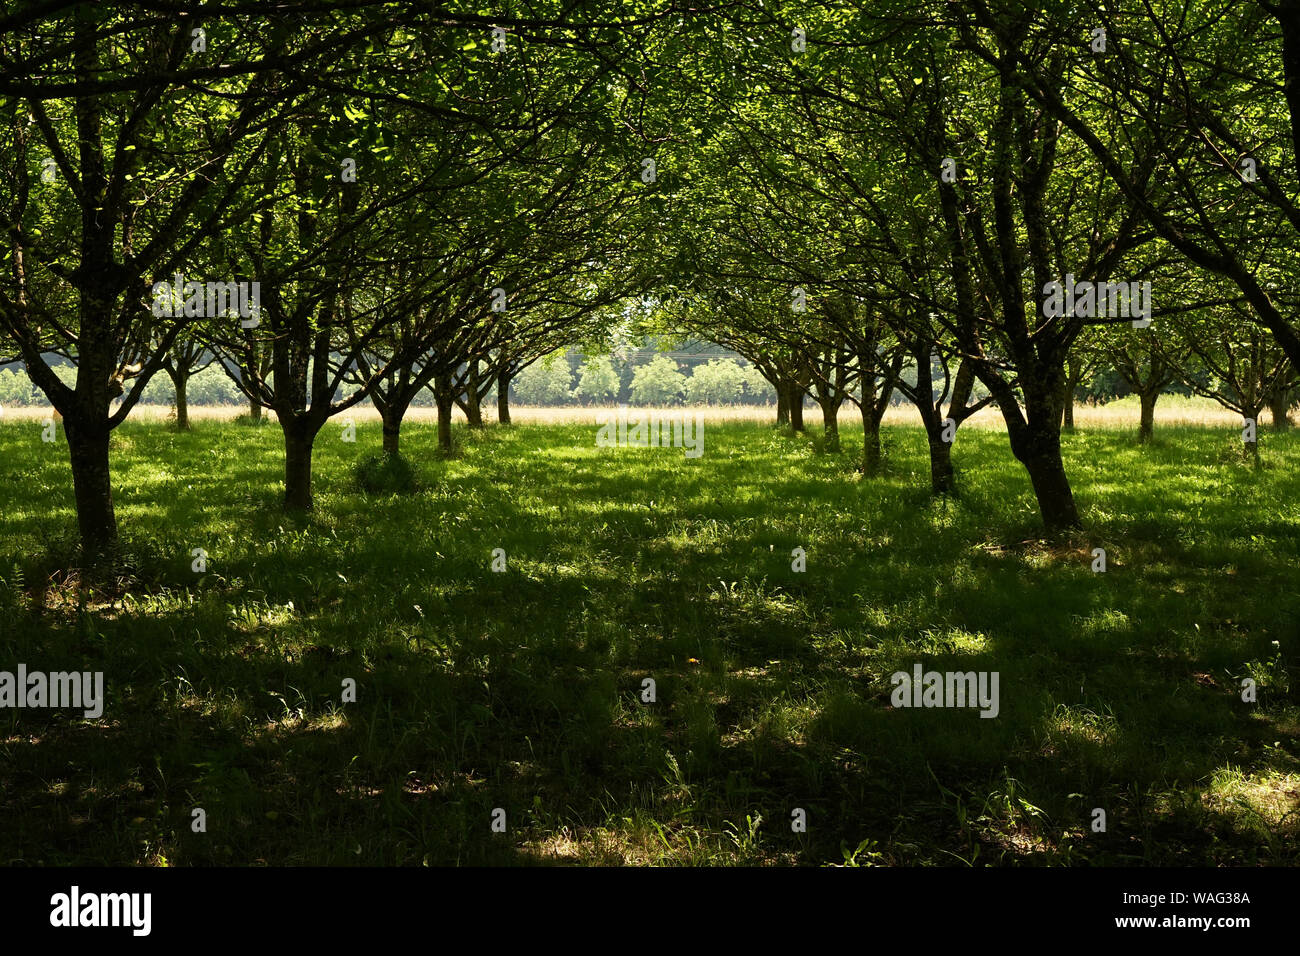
[
  {"x": 520, "y": 690},
  {"x": 1119, "y": 413}
]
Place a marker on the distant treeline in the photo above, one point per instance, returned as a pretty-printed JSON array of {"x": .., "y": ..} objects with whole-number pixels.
[{"x": 567, "y": 378}]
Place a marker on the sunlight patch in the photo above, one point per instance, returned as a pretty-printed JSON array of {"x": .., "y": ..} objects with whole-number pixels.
[{"x": 1271, "y": 799}]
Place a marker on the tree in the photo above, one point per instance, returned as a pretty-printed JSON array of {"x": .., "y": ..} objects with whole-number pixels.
[
  {"x": 1198, "y": 81},
  {"x": 658, "y": 382},
  {"x": 1246, "y": 366},
  {"x": 546, "y": 382},
  {"x": 1145, "y": 367},
  {"x": 715, "y": 382},
  {"x": 597, "y": 380},
  {"x": 102, "y": 198},
  {"x": 757, "y": 387},
  {"x": 185, "y": 358}
]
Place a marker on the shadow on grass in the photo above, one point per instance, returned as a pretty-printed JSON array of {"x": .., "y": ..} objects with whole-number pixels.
[{"x": 523, "y": 690}]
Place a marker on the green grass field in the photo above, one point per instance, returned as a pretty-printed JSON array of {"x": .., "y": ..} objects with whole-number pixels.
[{"x": 522, "y": 690}]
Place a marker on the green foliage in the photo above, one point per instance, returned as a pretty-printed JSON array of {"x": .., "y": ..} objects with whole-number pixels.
[
  {"x": 208, "y": 387},
  {"x": 758, "y": 390},
  {"x": 658, "y": 382},
  {"x": 597, "y": 381},
  {"x": 544, "y": 383},
  {"x": 716, "y": 382},
  {"x": 16, "y": 389}
]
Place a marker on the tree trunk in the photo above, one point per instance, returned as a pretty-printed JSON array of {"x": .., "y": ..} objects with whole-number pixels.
[
  {"x": 1067, "y": 412},
  {"x": 1252, "y": 447},
  {"x": 445, "y": 399},
  {"x": 1039, "y": 451},
  {"x": 503, "y": 397},
  {"x": 298, "y": 441},
  {"x": 871, "y": 455},
  {"x": 1280, "y": 407},
  {"x": 92, "y": 487},
  {"x": 473, "y": 407},
  {"x": 942, "y": 479},
  {"x": 1147, "y": 426},
  {"x": 830, "y": 422},
  {"x": 392, "y": 411},
  {"x": 795, "y": 401},
  {"x": 392, "y": 429},
  {"x": 180, "y": 381},
  {"x": 255, "y": 410},
  {"x": 782, "y": 405}
]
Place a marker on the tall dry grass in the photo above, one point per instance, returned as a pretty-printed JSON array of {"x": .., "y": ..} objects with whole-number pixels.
[{"x": 1172, "y": 410}]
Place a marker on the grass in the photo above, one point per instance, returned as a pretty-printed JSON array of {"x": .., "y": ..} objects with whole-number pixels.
[{"x": 522, "y": 690}]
